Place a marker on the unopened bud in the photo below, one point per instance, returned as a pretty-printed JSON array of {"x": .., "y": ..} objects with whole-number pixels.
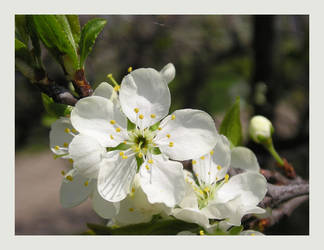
[
  {"x": 260, "y": 129},
  {"x": 168, "y": 72}
]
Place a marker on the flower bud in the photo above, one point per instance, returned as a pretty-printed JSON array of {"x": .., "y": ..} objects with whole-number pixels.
[
  {"x": 168, "y": 72},
  {"x": 260, "y": 129}
]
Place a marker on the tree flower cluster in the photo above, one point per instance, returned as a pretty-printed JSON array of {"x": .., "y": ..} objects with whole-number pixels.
[{"x": 126, "y": 150}]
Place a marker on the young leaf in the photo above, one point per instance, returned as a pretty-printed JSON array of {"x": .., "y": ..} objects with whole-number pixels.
[
  {"x": 89, "y": 33},
  {"x": 21, "y": 28},
  {"x": 55, "y": 109},
  {"x": 56, "y": 34},
  {"x": 235, "y": 230},
  {"x": 75, "y": 27},
  {"x": 231, "y": 124}
]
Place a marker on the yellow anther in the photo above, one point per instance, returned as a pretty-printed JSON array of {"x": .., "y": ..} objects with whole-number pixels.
[
  {"x": 65, "y": 144},
  {"x": 200, "y": 191},
  {"x": 125, "y": 142},
  {"x": 111, "y": 137},
  {"x": 147, "y": 167},
  {"x": 226, "y": 177},
  {"x": 187, "y": 180},
  {"x": 219, "y": 167},
  {"x": 130, "y": 69},
  {"x": 112, "y": 122},
  {"x": 121, "y": 153},
  {"x": 56, "y": 147},
  {"x": 212, "y": 152},
  {"x": 150, "y": 161},
  {"x": 131, "y": 209},
  {"x": 118, "y": 130},
  {"x": 125, "y": 156},
  {"x": 168, "y": 135},
  {"x": 252, "y": 234},
  {"x": 69, "y": 177},
  {"x": 74, "y": 130},
  {"x": 170, "y": 144},
  {"x": 136, "y": 110},
  {"x": 216, "y": 178},
  {"x": 172, "y": 117},
  {"x": 71, "y": 160},
  {"x": 86, "y": 183},
  {"x": 196, "y": 174},
  {"x": 206, "y": 189},
  {"x": 67, "y": 130},
  {"x": 208, "y": 173},
  {"x": 159, "y": 128},
  {"x": 154, "y": 144},
  {"x": 201, "y": 232},
  {"x": 140, "y": 155},
  {"x": 141, "y": 116},
  {"x": 63, "y": 172},
  {"x": 133, "y": 190},
  {"x": 137, "y": 149},
  {"x": 153, "y": 116},
  {"x": 203, "y": 157},
  {"x": 194, "y": 162},
  {"x": 116, "y": 88}
]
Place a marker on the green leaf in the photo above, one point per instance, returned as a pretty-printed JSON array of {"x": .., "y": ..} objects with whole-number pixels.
[
  {"x": 55, "y": 32},
  {"x": 130, "y": 125},
  {"x": 21, "y": 30},
  {"x": 155, "y": 126},
  {"x": 55, "y": 109},
  {"x": 161, "y": 227},
  {"x": 156, "y": 151},
  {"x": 139, "y": 162},
  {"x": 75, "y": 27},
  {"x": 231, "y": 124},
  {"x": 24, "y": 61},
  {"x": 19, "y": 45},
  {"x": 235, "y": 230},
  {"x": 89, "y": 33},
  {"x": 121, "y": 146}
]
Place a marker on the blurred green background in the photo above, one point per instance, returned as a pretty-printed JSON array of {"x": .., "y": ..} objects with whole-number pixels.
[{"x": 262, "y": 59}]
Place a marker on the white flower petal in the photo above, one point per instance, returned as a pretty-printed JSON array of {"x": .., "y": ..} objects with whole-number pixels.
[
  {"x": 93, "y": 115},
  {"x": 73, "y": 193},
  {"x": 163, "y": 181},
  {"x": 58, "y": 136},
  {"x": 214, "y": 165},
  {"x": 190, "y": 198},
  {"x": 192, "y": 216},
  {"x": 244, "y": 158},
  {"x": 191, "y": 133},
  {"x": 116, "y": 177},
  {"x": 251, "y": 186},
  {"x": 145, "y": 90},
  {"x": 104, "y": 89},
  {"x": 87, "y": 155},
  {"x": 168, "y": 72},
  {"x": 103, "y": 208}
]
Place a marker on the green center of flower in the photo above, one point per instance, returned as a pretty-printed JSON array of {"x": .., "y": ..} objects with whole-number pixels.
[{"x": 141, "y": 141}]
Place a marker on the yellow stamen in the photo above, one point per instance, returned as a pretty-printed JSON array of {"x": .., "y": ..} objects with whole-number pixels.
[
  {"x": 111, "y": 137},
  {"x": 136, "y": 110},
  {"x": 147, "y": 167},
  {"x": 69, "y": 177},
  {"x": 200, "y": 191},
  {"x": 226, "y": 177},
  {"x": 86, "y": 183},
  {"x": 150, "y": 161},
  {"x": 219, "y": 167},
  {"x": 153, "y": 116},
  {"x": 74, "y": 130},
  {"x": 159, "y": 128},
  {"x": 206, "y": 189},
  {"x": 133, "y": 190},
  {"x": 112, "y": 122},
  {"x": 196, "y": 174},
  {"x": 171, "y": 144},
  {"x": 125, "y": 142},
  {"x": 63, "y": 172},
  {"x": 212, "y": 152},
  {"x": 140, "y": 155},
  {"x": 208, "y": 173},
  {"x": 71, "y": 160},
  {"x": 65, "y": 144},
  {"x": 67, "y": 130},
  {"x": 125, "y": 156},
  {"x": 172, "y": 117},
  {"x": 121, "y": 153},
  {"x": 130, "y": 69},
  {"x": 137, "y": 149},
  {"x": 187, "y": 180},
  {"x": 203, "y": 157},
  {"x": 141, "y": 116},
  {"x": 117, "y": 88},
  {"x": 118, "y": 130},
  {"x": 57, "y": 148},
  {"x": 201, "y": 232},
  {"x": 168, "y": 135},
  {"x": 131, "y": 209},
  {"x": 252, "y": 234},
  {"x": 193, "y": 162}
]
